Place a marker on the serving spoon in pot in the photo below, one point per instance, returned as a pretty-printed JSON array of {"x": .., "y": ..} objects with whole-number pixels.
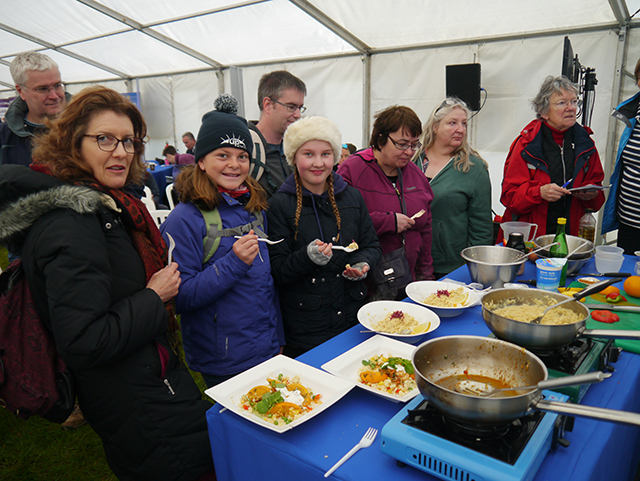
[
  {"x": 474, "y": 388},
  {"x": 587, "y": 291}
]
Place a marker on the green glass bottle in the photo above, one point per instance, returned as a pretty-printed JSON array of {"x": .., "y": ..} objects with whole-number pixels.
[{"x": 562, "y": 249}]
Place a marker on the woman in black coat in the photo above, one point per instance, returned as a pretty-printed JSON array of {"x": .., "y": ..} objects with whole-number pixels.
[
  {"x": 97, "y": 267},
  {"x": 321, "y": 288}
]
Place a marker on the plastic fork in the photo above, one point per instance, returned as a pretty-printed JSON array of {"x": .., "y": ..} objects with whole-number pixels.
[
  {"x": 172, "y": 245},
  {"x": 261, "y": 239},
  {"x": 418, "y": 215},
  {"x": 365, "y": 442},
  {"x": 346, "y": 249}
]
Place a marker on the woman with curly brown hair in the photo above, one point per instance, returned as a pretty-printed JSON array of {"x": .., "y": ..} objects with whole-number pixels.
[
  {"x": 227, "y": 302},
  {"x": 97, "y": 268},
  {"x": 321, "y": 288}
]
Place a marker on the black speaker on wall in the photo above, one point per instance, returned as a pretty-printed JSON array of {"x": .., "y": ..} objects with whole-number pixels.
[{"x": 463, "y": 81}]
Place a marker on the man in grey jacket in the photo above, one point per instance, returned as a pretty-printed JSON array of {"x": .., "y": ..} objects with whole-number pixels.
[{"x": 41, "y": 95}]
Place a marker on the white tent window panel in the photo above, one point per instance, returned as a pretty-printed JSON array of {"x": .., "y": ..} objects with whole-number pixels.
[
  {"x": 135, "y": 53},
  {"x": 380, "y": 23},
  {"x": 59, "y": 21},
  {"x": 258, "y": 33},
  {"x": 151, "y": 11}
]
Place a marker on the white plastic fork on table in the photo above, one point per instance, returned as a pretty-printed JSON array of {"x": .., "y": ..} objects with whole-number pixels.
[{"x": 365, "y": 442}]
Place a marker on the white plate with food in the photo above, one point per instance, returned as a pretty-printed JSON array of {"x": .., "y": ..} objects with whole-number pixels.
[
  {"x": 272, "y": 405},
  {"x": 446, "y": 299},
  {"x": 385, "y": 358},
  {"x": 402, "y": 320}
]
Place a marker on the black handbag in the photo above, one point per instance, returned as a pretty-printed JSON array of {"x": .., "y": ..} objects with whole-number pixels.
[{"x": 392, "y": 273}]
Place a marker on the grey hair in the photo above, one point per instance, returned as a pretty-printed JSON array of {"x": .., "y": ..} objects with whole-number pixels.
[
  {"x": 551, "y": 85},
  {"x": 428, "y": 138},
  {"x": 27, "y": 61}
]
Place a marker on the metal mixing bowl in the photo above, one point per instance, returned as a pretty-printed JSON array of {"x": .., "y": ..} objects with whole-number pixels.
[
  {"x": 576, "y": 261},
  {"x": 493, "y": 265}
]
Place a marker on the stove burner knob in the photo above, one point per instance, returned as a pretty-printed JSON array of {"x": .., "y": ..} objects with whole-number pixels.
[{"x": 562, "y": 424}]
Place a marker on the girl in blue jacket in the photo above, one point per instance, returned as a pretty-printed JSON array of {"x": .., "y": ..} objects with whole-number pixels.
[{"x": 229, "y": 315}]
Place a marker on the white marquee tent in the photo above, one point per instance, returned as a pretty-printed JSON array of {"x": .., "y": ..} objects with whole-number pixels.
[{"x": 356, "y": 56}]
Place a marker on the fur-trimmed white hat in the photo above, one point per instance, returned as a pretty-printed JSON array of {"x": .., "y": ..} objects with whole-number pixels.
[{"x": 312, "y": 128}]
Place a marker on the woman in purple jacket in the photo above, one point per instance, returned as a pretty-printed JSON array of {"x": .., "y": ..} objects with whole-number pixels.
[{"x": 394, "y": 189}]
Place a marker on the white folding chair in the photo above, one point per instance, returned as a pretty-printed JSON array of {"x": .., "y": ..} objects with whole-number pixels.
[
  {"x": 169, "y": 192},
  {"x": 159, "y": 215},
  {"x": 147, "y": 200}
]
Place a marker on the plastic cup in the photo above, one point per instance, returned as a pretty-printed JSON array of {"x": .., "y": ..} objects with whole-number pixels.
[
  {"x": 605, "y": 263},
  {"x": 609, "y": 249},
  {"x": 610, "y": 256},
  {"x": 548, "y": 273}
]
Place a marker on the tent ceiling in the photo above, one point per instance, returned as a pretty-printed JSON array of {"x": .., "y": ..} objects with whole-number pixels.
[{"x": 95, "y": 40}]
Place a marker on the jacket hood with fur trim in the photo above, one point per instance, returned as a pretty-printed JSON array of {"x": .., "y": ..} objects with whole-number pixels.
[{"x": 26, "y": 195}]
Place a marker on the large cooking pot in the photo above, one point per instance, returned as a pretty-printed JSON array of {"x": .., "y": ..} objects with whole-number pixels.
[
  {"x": 440, "y": 359},
  {"x": 541, "y": 336}
]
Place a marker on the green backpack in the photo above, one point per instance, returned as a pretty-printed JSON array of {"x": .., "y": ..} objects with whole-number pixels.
[{"x": 212, "y": 219}]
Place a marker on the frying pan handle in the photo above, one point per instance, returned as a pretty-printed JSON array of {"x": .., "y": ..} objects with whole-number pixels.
[
  {"x": 588, "y": 378},
  {"x": 620, "y": 417},
  {"x": 597, "y": 287},
  {"x": 611, "y": 334}
]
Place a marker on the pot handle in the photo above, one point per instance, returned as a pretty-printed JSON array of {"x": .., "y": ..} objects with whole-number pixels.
[
  {"x": 620, "y": 417},
  {"x": 610, "y": 334},
  {"x": 588, "y": 378}
]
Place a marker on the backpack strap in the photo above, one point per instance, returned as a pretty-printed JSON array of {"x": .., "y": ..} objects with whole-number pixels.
[
  {"x": 258, "y": 157},
  {"x": 212, "y": 219}
]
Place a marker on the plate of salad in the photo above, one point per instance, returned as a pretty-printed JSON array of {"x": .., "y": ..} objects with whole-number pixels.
[
  {"x": 380, "y": 365},
  {"x": 280, "y": 393}
]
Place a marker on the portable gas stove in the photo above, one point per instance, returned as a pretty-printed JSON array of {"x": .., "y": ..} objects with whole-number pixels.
[
  {"x": 582, "y": 356},
  {"x": 420, "y": 436}
]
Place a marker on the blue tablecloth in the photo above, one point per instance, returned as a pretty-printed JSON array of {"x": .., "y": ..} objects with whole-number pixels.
[
  {"x": 159, "y": 174},
  {"x": 244, "y": 451}
]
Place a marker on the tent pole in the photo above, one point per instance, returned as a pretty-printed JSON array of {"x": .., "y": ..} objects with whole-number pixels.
[
  {"x": 366, "y": 99},
  {"x": 616, "y": 93}
]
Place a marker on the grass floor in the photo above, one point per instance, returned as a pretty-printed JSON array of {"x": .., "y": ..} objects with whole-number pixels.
[{"x": 37, "y": 450}]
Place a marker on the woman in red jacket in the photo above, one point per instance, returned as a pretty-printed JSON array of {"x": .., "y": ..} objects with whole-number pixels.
[{"x": 550, "y": 156}]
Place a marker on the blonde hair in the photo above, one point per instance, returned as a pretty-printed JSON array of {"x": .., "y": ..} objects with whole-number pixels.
[{"x": 463, "y": 153}]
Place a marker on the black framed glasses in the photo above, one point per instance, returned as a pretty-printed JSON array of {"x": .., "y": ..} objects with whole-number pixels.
[
  {"x": 109, "y": 143},
  {"x": 291, "y": 107},
  {"x": 406, "y": 145},
  {"x": 45, "y": 89}
]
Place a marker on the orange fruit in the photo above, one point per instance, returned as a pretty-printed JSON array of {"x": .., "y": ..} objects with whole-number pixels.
[
  {"x": 608, "y": 290},
  {"x": 632, "y": 286}
]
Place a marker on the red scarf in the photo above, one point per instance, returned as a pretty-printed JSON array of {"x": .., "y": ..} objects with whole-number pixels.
[{"x": 243, "y": 189}]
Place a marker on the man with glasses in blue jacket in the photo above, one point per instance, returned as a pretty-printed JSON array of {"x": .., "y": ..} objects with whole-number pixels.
[{"x": 41, "y": 95}]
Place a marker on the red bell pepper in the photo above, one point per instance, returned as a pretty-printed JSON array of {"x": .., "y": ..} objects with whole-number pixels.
[
  {"x": 615, "y": 297},
  {"x": 605, "y": 316}
]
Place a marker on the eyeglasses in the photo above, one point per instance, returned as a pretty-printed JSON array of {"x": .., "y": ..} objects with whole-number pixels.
[
  {"x": 562, "y": 104},
  {"x": 406, "y": 145},
  {"x": 291, "y": 107},
  {"x": 109, "y": 143},
  {"x": 45, "y": 89}
]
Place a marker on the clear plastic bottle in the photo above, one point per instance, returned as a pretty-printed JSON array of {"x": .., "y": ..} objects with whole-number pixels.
[
  {"x": 562, "y": 249},
  {"x": 587, "y": 226}
]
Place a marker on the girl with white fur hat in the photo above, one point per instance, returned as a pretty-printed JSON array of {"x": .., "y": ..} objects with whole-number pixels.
[{"x": 321, "y": 287}]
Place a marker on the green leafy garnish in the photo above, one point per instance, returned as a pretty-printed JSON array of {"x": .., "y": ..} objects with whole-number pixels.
[{"x": 268, "y": 401}]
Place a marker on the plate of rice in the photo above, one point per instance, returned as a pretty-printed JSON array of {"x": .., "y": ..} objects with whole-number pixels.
[
  {"x": 379, "y": 365},
  {"x": 446, "y": 299},
  {"x": 401, "y": 320}
]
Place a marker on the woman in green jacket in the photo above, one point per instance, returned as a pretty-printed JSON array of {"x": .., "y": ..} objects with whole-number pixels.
[{"x": 461, "y": 207}]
